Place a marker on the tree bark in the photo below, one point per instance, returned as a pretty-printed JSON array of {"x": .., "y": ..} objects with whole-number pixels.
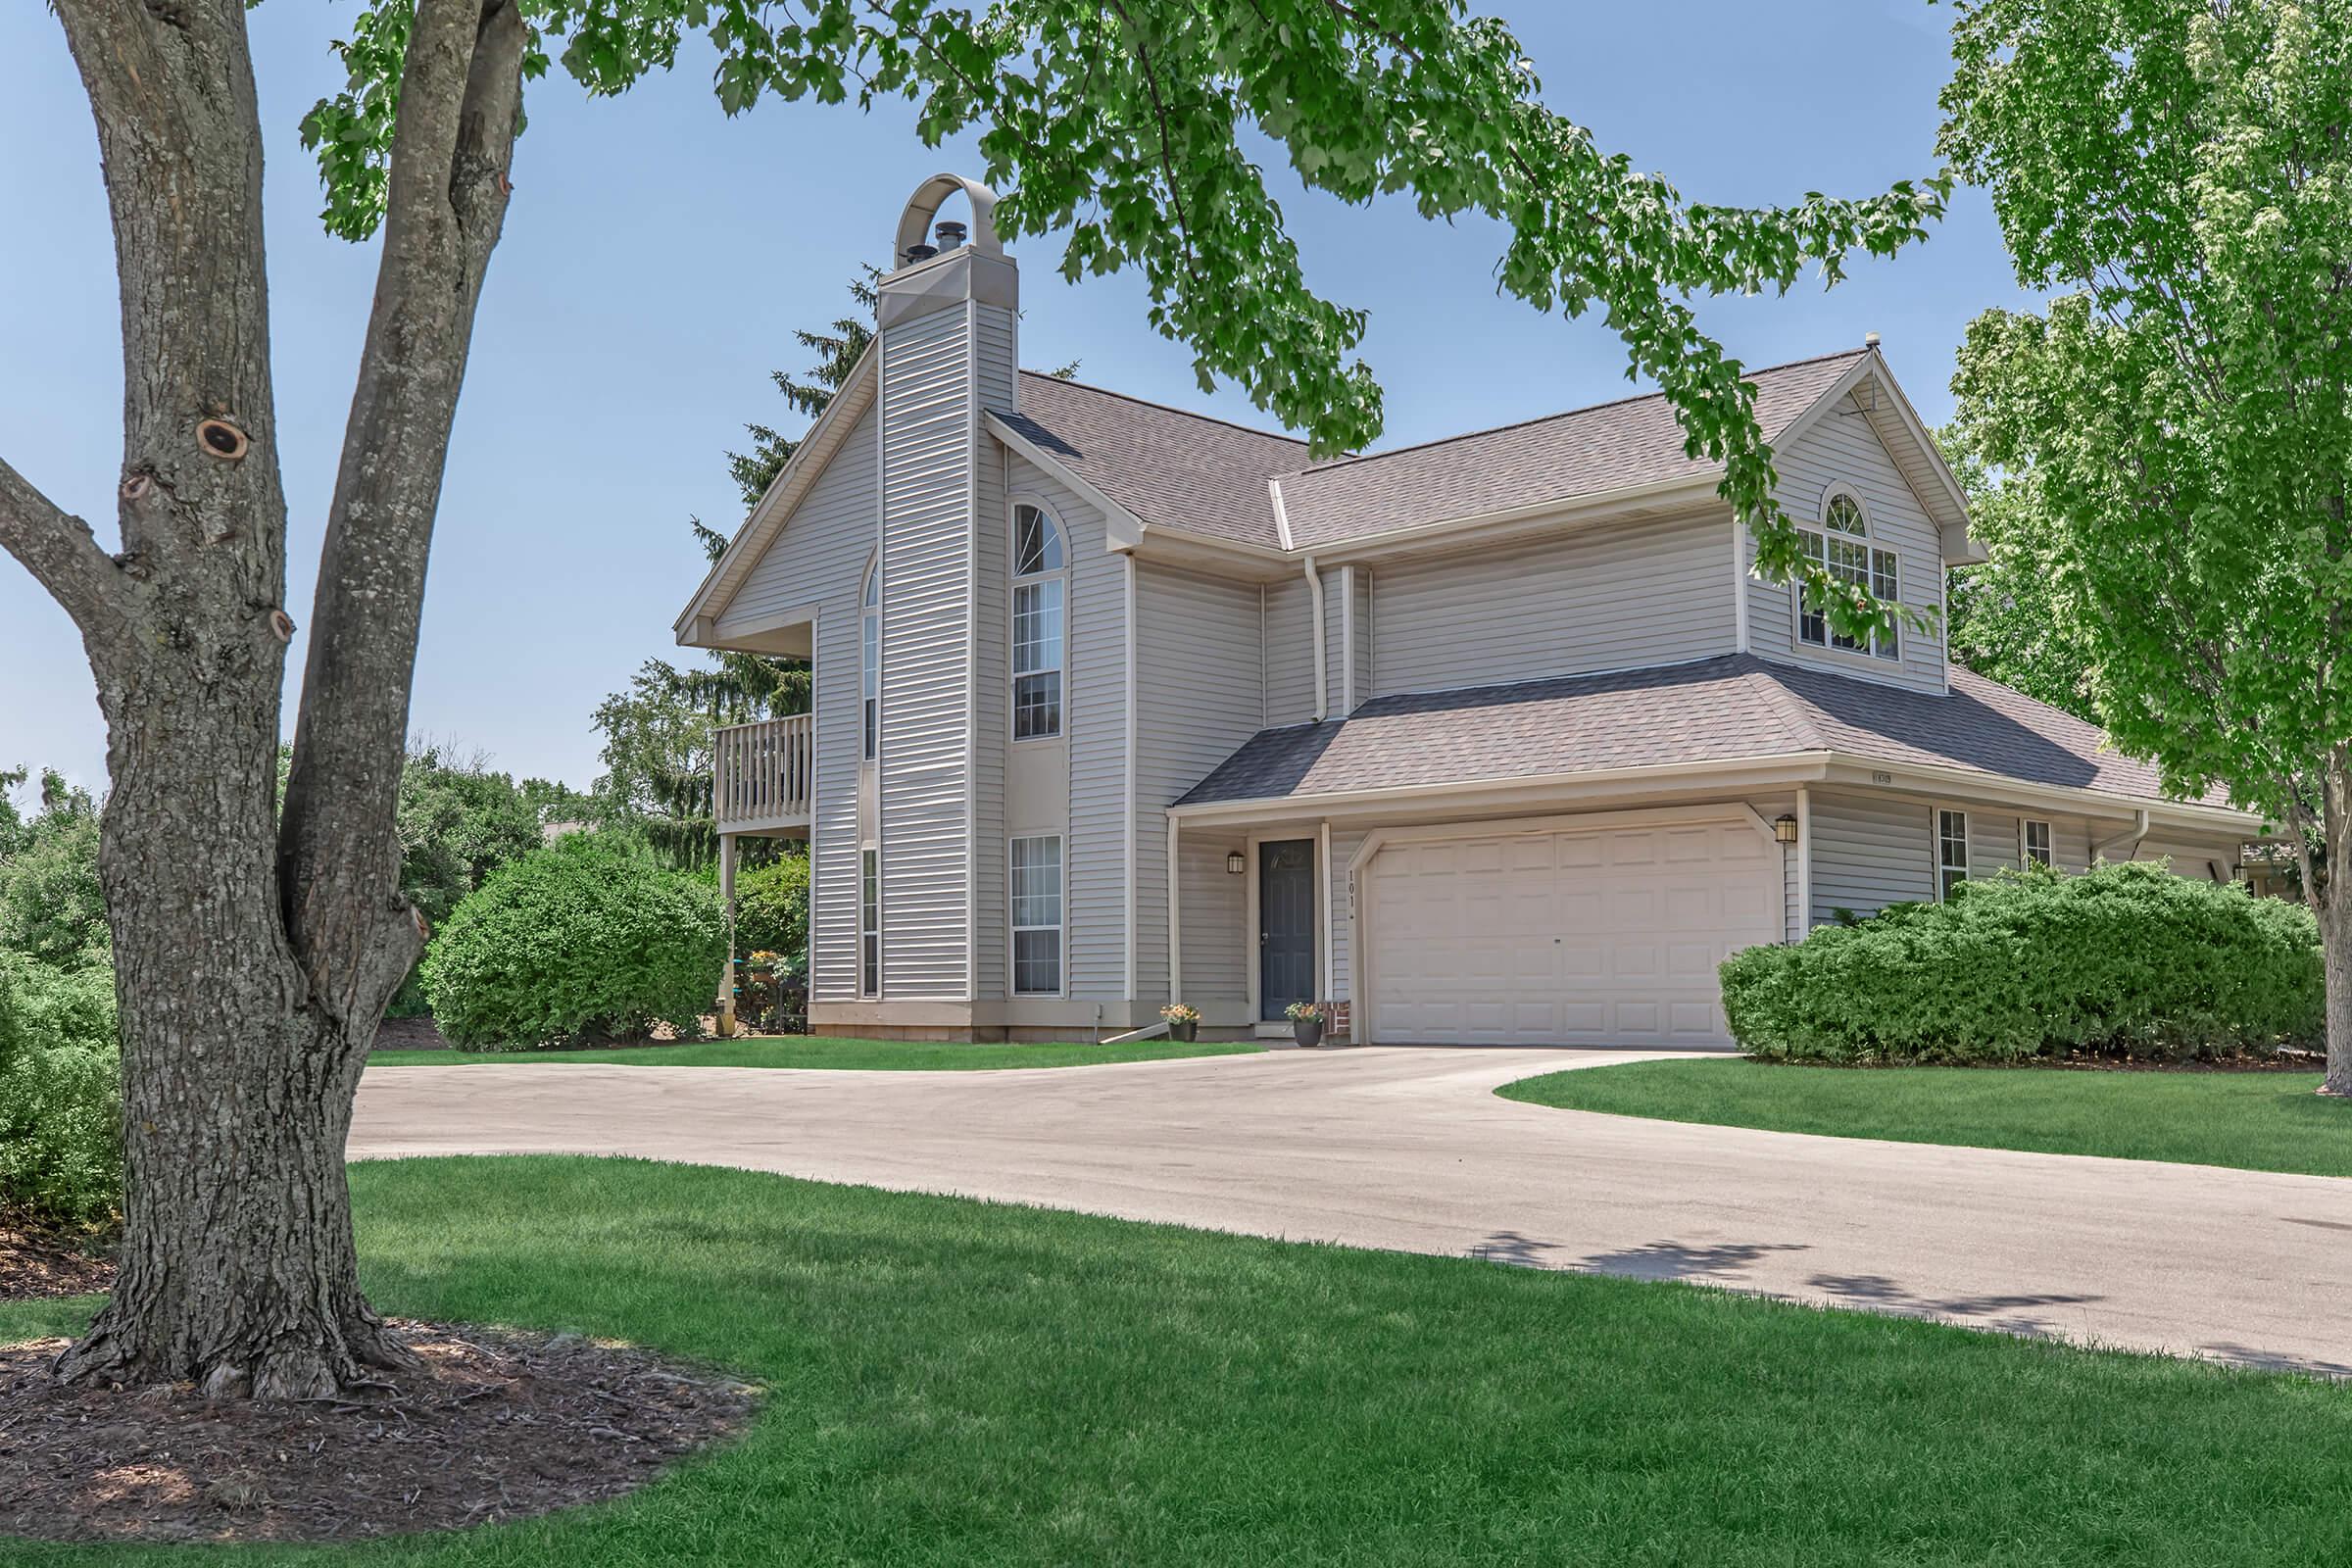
[{"x": 253, "y": 961}]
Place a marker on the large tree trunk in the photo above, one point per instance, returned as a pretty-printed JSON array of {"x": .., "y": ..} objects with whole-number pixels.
[{"x": 254, "y": 955}]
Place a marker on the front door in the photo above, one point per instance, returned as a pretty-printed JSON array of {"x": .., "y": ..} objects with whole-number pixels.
[{"x": 1285, "y": 924}]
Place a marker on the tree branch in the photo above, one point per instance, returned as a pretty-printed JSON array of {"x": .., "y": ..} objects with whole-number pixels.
[
  {"x": 460, "y": 101},
  {"x": 60, "y": 551}
]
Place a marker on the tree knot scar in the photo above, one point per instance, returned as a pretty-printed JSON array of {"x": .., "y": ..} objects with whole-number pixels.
[
  {"x": 221, "y": 439},
  {"x": 134, "y": 566},
  {"x": 282, "y": 625},
  {"x": 506, "y": 186},
  {"x": 136, "y": 486}
]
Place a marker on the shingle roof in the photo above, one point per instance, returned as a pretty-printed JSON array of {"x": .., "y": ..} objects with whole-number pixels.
[
  {"x": 1725, "y": 709},
  {"x": 1178, "y": 469},
  {"x": 1587, "y": 452},
  {"x": 1189, "y": 471}
]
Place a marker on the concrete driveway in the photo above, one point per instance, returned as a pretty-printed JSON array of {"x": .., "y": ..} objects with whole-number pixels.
[{"x": 1410, "y": 1149}]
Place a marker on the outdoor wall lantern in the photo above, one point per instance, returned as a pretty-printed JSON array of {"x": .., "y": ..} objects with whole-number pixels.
[
  {"x": 1783, "y": 828},
  {"x": 1236, "y": 864}
]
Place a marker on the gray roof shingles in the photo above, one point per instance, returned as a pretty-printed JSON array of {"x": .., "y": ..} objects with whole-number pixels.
[
  {"x": 1725, "y": 709},
  {"x": 1186, "y": 470}
]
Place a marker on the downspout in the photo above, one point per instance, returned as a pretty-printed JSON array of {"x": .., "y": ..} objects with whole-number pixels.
[
  {"x": 1315, "y": 588},
  {"x": 1175, "y": 916},
  {"x": 2137, "y": 833},
  {"x": 1804, "y": 862}
]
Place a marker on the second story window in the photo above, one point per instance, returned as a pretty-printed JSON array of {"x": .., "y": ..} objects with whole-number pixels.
[
  {"x": 1842, "y": 543},
  {"x": 1040, "y": 593},
  {"x": 870, "y": 659}
]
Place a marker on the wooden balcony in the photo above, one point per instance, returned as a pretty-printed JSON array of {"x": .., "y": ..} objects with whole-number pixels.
[{"x": 763, "y": 776}]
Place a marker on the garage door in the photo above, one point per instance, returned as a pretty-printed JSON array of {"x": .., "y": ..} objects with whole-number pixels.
[{"x": 1608, "y": 937}]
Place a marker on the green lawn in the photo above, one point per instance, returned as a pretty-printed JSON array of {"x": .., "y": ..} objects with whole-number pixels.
[
  {"x": 818, "y": 1050},
  {"x": 2255, "y": 1121},
  {"x": 951, "y": 1382}
]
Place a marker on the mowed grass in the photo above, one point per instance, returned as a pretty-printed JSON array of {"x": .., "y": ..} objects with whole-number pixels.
[
  {"x": 818, "y": 1050},
  {"x": 2251, "y": 1120},
  {"x": 951, "y": 1382}
]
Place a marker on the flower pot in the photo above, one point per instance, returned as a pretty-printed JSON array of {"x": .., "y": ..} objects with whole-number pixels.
[
  {"x": 1185, "y": 1030},
  {"x": 1307, "y": 1031}
]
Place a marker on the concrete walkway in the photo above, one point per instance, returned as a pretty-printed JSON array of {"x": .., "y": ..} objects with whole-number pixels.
[{"x": 1410, "y": 1149}]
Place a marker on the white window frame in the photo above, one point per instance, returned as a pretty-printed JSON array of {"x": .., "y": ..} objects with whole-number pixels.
[
  {"x": 1944, "y": 867},
  {"x": 2025, "y": 842},
  {"x": 1015, "y": 583},
  {"x": 869, "y": 662},
  {"x": 1881, "y": 564},
  {"x": 1061, "y": 928},
  {"x": 869, "y": 921}
]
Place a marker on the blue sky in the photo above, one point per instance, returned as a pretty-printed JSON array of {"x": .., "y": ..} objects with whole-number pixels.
[{"x": 657, "y": 257}]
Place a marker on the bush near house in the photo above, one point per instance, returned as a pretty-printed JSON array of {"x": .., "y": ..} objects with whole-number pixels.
[
  {"x": 2126, "y": 960},
  {"x": 771, "y": 910},
  {"x": 589, "y": 937},
  {"x": 61, "y": 1159}
]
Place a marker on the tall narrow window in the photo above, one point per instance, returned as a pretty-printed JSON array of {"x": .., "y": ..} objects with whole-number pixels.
[
  {"x": 869, "y": 922},
  {"x": 1951, "y": 852},
  {"x": 2035, "y": 843},
  {"x": 1844, "y": 545},
  {"x": 1037, "y": 916},
  {"x": 869, "y": 658},
  {"x": 1039, "y": 593}
]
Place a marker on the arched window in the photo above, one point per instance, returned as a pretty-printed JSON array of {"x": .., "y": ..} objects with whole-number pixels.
[
  {"x": 1039, "y": 598},
  {"x": 1842, "y": 543},
  {"x": 869, "y": 656}
]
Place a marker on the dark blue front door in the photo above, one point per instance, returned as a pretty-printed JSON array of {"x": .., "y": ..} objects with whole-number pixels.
[{"x": 1286, "y": 925}]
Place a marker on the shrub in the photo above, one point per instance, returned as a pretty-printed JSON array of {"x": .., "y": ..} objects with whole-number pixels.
[
  {"x": 61, "y": 1115},
  {"x": 771, "y": 910},
  {"x": 589, "y": 936},
  {"x": 51, "y": 903},
  {"x": 2125, "y": 960}
]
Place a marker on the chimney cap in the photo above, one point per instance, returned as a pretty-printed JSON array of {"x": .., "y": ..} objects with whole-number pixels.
[
  {"x": 1870, "y": 340},
  {"x": 914, "y": 224}
]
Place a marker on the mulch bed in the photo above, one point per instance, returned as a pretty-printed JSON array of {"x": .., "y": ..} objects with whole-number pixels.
[
  {"x": 34, "y": 1264},
  {"x": 499, "y": 1425}
]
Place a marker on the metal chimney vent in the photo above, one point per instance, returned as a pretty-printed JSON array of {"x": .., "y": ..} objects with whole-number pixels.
[
  {"x": 920, "y": 253},
  {"x": 950, "y": 234}
]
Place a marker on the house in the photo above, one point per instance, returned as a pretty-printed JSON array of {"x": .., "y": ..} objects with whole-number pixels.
[{"x": 1494, "y": 737}]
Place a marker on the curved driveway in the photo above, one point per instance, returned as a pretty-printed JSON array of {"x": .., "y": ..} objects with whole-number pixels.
[{"x": 1410, "y": 1149}]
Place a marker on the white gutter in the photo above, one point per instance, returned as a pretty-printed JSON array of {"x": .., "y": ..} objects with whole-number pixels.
[
  {"x": 1315, "y": 588},
  {"x": 2137, "y": 833}
]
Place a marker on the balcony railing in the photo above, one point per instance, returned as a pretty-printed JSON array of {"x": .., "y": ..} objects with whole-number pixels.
[{"x": 764, "y": 772}]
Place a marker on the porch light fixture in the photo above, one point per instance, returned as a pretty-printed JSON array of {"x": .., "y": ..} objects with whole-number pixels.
[
  {"x": 1783, "y": 829},
  {"x": 1236, "y": 864}
]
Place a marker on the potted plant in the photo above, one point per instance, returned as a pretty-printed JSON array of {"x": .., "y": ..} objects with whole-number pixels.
[
  {"x": 1306, "y": 1021},
  {"x": 1184, "y": 1021}
]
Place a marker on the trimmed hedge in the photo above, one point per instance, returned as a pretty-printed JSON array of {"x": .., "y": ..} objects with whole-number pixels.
[
  {"x": 587, "y": 937},
  {"x": 2126, "y": 960},
  {"x": 61, "y": 1103}
]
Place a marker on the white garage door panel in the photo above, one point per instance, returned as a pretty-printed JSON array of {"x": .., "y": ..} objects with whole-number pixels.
[{"x": 1592, "y": 938}]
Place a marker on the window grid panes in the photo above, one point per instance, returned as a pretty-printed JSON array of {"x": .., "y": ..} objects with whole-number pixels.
[
  {"x": 869, "y": 653},
  {"x": 2037, "y": 843},
  {"x": 1951, "y": 851},
  {"x": 869, "y": 924},
  {"x": 1843, "y": 546},
  {"x": 1040, "y": 615},
  {"x": 1036, "y": 868}
]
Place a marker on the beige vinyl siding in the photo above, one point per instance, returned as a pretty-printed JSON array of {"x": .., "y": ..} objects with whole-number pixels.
[
  {"x": 929, "y": 442},
  {"x": 1870, "y": 850},
  {"x": 819, "y": 558},
  {"x": 1217, "y": 943},
  {"x": 2070, "y": 843},
  {"x": 997, "y": 375},
  {"x": 1841, "y": 448},
  {"x": 1290, "y": 653},
  {"x": 1196, "y": 674},
  {"x": 1344, "y": 844},
  {"x": 2197, "y": 858},
  {"x": 1993, "y": 843},
  {"x": 1335, "y": 642},
  {"x": 1361, "y": 652},
  {"x": 1608, "y": 597},
  {"x": 1094, "y": 716}
]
